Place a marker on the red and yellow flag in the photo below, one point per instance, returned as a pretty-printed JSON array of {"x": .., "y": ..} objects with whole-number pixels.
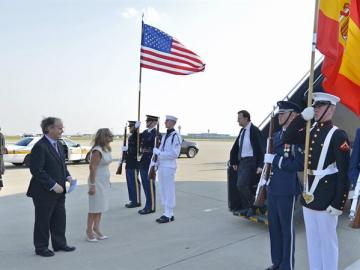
[{"x": 339, "y": 41}]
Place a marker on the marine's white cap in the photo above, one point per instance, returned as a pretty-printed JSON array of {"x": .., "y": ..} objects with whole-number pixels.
[
  {"x": 324, "y": 97},
  {"x": 170, "y": 117}
]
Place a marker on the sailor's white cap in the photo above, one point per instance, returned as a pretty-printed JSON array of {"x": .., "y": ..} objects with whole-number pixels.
[
  {"x": 170, "y": 117},
  {"x": 326, "y": 98}
]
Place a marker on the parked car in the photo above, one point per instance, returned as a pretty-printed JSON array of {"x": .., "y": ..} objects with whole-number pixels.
[
  {"x": 20, "y": 152},
  {"x": 190, "y": 149}
]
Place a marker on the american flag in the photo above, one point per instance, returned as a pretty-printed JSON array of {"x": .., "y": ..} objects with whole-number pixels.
[{"x": 160, "y": 51}]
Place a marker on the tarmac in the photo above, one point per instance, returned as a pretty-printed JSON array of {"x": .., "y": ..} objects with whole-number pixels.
[{"x": 204, "y": 235}]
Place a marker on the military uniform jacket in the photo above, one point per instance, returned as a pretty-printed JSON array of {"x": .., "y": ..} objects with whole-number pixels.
[
  {"x": 2, "y": 152},
  {"x": 332, "y": 188},
  {"x": 354, "y": 169},
  {"x": 147, "y": 143},
  {"x": 288, "y": 160},
  {"x": 131, "y": 157},
  {"x": 170, "y": 149}
]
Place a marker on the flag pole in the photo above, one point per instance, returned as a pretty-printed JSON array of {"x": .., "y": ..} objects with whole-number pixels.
[
  {"x": 139, "y": 95},
  {"x": 308, "y": 197}
]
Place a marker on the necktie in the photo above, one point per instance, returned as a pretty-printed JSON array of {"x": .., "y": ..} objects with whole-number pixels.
[
  {"x": 56, "y": 148},
  {"x": 241, "y": 141}
]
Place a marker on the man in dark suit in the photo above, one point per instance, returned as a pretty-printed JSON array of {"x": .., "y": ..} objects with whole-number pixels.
[
  {"x": 246, "y": 157},
  {"x": 47, "y": 189}
]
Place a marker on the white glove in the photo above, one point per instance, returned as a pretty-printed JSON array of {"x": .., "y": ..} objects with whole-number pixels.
[
  {"x": 308, "y": 113},
  {"x": 333, "y": 211},
  {"x": 137, "y": 124},
  {"x": 156, "y": 151},
  {"x": 57, "y": 188},
  {"x": 262, "y": 182},
  {"x": 124, "y": 148},
  {"x": 268, "y": 158}
]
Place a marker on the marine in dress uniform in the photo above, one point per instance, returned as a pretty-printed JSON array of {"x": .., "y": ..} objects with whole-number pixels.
[
  {"x": 282, "y": 191},
  {"x": 328, "y": 184},
  {"x": 132, "y": 167},
  {"x": 147, "y": 143},
  {"x": 167, "y": 153}
]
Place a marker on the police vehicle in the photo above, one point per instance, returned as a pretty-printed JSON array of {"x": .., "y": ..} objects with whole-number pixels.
[{"x": 19, "y": 153}]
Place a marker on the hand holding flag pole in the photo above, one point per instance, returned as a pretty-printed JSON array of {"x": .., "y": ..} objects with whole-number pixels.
[
  {"x": 139, "y": 96},
  {"x": 308, "y": 197}
]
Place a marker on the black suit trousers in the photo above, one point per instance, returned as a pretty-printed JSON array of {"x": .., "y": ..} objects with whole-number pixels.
[
  {"x": 246, "y": 175},
  {"x": 50, "y": 216}
]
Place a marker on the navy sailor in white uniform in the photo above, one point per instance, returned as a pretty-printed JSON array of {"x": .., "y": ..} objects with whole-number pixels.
[
  {"x": 283, "y": 189},
  {"x": 168, "y": 152}
]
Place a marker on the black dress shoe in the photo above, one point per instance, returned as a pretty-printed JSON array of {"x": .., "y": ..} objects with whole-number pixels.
[
  {"x": 242, "y": 212},
  {"x": 145, "y": 211},
  {"x": 132, "y": 205},
  {"x": 164, "y": 219},
  {"x": 44, "y": 253},
  {"x": 251, "y": 212},
  {"x": 273, "y": 267},
  {"x": 66, "y": 248}
]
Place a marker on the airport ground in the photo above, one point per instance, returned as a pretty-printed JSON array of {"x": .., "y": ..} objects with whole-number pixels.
[{"x": 205, "y": 235}]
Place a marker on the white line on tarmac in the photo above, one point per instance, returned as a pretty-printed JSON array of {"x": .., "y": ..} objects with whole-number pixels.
[{"x": 210, "y": 209}]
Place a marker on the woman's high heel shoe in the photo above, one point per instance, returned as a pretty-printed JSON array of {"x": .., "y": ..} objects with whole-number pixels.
[
  {"x": 100, "y": 236},
  {"x": 92, "y": 238}
]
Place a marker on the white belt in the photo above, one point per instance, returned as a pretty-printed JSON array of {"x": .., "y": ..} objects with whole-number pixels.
[
  {"x": 331, "y": 169},
  {"x": 321, "y": 162}
]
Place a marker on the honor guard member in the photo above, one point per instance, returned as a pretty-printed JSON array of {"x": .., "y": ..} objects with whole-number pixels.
[
  {"x": 147, "y": 143},
  {"x": 328, "y": 185},
  {"x": 132, "y": 166},
  {"x": 167, "y": 153},
  {"x": 2, "y": 152},
  {"x": 282, "y": 191},
  {"x": 354, "y": 169}
]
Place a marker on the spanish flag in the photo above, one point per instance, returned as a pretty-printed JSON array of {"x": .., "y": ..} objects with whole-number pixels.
[{"x": 339, "y": 40}]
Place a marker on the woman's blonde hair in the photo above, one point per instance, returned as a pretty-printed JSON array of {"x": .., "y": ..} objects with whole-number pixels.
[{"x": 100, "y": 139}]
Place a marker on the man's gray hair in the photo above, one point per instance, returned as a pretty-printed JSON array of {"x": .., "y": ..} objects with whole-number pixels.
[{"x": 47, "y": 122}]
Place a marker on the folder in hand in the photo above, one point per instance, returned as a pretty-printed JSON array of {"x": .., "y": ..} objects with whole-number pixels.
[{"x": 73, "y": 185}]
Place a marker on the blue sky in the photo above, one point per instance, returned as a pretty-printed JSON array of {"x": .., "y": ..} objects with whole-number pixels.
[{"x": 79, "y": 60}]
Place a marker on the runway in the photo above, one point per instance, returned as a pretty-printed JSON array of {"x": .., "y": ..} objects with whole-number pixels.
[{"x": 205, "y": 235}]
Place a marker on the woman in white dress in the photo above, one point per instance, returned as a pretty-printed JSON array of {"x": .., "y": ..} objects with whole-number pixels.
[{"x": 99, "y": 183}]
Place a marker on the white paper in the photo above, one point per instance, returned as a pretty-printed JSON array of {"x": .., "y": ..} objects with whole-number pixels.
[{"x": 73, "y": 185}]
